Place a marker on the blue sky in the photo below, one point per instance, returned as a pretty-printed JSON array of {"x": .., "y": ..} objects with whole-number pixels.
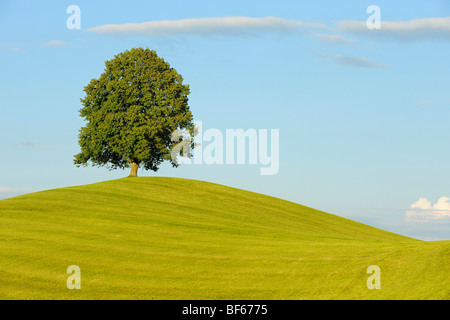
[{"x": 362, "y": 114}]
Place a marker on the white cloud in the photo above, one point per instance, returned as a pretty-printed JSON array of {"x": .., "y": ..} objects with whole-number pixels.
[
  {"x": 412, "y": 30},
  {"x": 424, "y": 211},
  {"x": 443, "y": 204},
  {"x": 228, "y": 26},
  {"x": 423, "y": 204}
]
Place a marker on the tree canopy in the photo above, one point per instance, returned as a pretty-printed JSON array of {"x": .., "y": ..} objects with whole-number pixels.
[{"x": 131, "y": 110}]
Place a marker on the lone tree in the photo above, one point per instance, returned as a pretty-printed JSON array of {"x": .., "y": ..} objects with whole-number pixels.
[{"x": 132, "y": 111}]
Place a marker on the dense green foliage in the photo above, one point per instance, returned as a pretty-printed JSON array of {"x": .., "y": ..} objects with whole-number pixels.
[
  {"x": 131, "y": 110},
  {"x": 168, "y": 238}
]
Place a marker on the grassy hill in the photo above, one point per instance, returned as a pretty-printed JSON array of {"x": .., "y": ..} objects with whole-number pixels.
[{"x": 169, "y": 238}]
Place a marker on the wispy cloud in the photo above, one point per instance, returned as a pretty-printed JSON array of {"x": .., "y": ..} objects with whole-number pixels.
[
  {"x": 412, "y": 30},
  {"x": 32, "y": 145},
  {"x": 6, "y": 192},
  {"x": 27, "y": 144},
  {"x": 424, "y": 211},
  {"x": 223, "y": 26},
  {"x": 424, "y": 103},
  {"x": 351, "y": 61},
  {"x": 11, "y": 190},
  {"x": 55, "y": 43},
  {"x": 10, "y": 47},
  {"x": 332, "y": 38},
  {"x": 346, "y": 60}
]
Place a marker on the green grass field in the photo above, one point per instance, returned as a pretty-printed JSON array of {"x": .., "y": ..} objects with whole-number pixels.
[{"x": 169, "y": 238}]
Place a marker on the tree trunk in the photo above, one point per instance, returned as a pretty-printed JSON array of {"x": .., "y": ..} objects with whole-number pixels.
[{"x": 134, "y": 169}]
